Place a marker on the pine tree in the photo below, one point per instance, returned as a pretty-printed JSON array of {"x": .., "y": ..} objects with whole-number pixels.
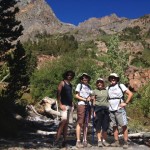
[
  {"x": 13, "y": 66},
  {"x": 10, "y": 28},
  {"x": 12, "y": 53}
]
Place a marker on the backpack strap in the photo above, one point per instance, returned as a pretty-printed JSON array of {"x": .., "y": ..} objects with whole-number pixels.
[
  {"x": 80, "y": 86},
  {"x": 121, "y": 91},
  {"x": 81, "y": 89},
  {"x": 116, "y": 97}
]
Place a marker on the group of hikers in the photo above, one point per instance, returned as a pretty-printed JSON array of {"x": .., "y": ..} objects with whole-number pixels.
[{"x": 108, "y": 103}]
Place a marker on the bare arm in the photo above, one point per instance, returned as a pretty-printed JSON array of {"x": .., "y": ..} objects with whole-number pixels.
[
  {"x": 129, "y": 97},
  {"x": 129, "y": 94},
  {"x": 59, "y": 89}
]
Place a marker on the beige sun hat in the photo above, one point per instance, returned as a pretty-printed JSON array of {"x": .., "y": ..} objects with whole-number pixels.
[
  {"x": 115, "y": 75},
  {"x": 99, "y": 79},
  {"x": 85, "y": 74}
]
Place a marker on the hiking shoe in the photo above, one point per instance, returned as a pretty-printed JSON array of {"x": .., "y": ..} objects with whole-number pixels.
[
  {"x": 86, "y": 144},
  {"x": 125, "y": 145},
  {"x": 64, "y": 144},
  {"x": 105, "y": 143},
  {"x": 100, "y": 144},
  {"x": 115, "y": 144},
  {"x": 79, "y": 145},
  {"x": 56, "y": 144}
]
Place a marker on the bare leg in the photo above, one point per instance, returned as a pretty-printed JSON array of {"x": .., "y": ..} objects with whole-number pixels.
[
  {"x": 125, "y": 133},
  {"x": 85, "y": 133},
  {"x": 99, "y": 135},
  {"x": 60, "y": 129},
  {"x": 115, "y": 130},
  {"x": 85, "y": 129},
  {"x": 65, "y": 129},
  {"x": 78, "y": 131},
  {"x": 104, "y": 135}
]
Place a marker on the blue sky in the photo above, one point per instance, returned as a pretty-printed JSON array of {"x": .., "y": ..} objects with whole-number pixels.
[{"x": 77, "y": 11}]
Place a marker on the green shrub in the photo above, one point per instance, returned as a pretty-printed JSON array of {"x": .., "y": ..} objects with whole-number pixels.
[
  {"x": 44, "y": 82},
  {"x": 142, "y": 60},
  {"x": 116, "y": 60},
  {"x": 132, "y": 34},
  {"x": 52, "y": 44},
  {"x": 145, "y": 100}
]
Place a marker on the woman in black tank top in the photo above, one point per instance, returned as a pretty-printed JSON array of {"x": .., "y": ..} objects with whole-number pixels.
[
  {"x": 66, "y": 94},
  {"x": 64, "y": 97}
]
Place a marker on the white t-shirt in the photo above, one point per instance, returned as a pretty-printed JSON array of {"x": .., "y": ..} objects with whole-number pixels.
[
  {"x": 84, "y": 91},
  {"x": 116, "y": 94}
]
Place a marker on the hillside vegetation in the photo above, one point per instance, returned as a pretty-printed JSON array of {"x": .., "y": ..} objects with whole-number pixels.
[
  {"x": 96, "y": 47},
  {"x": 86, "y": 57}
]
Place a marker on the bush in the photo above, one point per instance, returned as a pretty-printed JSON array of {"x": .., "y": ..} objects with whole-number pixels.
[
  {"x": 145, "y": 100},
  {"x": 132, "y": 34},
  {"x": 44, "y": 82},
  {"x": 52, "y": 44}
]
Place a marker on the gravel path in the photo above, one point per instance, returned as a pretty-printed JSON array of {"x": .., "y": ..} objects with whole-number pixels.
[
  {"x": 30, "y": 139},
  {"x": 40, "y": 142}
]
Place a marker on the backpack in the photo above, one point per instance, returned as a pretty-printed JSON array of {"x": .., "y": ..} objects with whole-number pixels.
[
  {"x": 81, "y": 87},
  {"x": 117, "y": 97}
]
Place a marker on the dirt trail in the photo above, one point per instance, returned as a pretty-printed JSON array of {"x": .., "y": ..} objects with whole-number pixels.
[{"x": 44, "y": 142}]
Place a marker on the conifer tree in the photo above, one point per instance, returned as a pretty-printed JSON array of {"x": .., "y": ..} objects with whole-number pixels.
[{"x": 12, "y": 53}]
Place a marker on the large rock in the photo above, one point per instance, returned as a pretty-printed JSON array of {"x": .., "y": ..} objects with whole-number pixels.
[{"x": 138, "y": 77}]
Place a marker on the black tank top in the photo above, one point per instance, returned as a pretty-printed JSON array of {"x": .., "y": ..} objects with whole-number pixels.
[{"x": 66, "y": 94}]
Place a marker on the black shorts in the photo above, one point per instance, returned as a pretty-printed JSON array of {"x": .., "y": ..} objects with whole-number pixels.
[{"x": 102, "y": 120}]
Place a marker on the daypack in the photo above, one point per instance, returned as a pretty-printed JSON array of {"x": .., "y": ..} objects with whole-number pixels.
[
  {"x": 117, "y": 97},
  {"x": 81, "y": 87}
]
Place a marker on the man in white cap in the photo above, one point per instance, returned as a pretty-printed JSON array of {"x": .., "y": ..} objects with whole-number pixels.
[{"x": 117, "y": 105}]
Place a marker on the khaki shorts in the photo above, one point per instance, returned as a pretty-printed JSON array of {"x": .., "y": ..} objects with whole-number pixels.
[
  {"x": 119, "y": 117},
  {"x": 83, "y": 114},
  {"x": 67, "y": 114}
]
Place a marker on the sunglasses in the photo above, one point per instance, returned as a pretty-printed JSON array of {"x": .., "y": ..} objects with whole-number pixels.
[
  {"x": 99, "y": 82},
  {"x": 85, "y": 80},
  {"x": 113, "y": 79},
  {"x": 69, "y": 75}
]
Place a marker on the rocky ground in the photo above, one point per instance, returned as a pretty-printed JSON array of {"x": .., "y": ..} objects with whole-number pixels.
[
  {"x": 40, "y": 142},
  {"x": 42, "y": 138},
  {"x": 38, "y": 133}
]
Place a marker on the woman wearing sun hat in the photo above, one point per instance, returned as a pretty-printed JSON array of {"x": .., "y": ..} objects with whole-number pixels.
[
  {"x": 117, "y": 105},
  {"x": 83, "y": 92},
  {"x": 101, "y": 112}
]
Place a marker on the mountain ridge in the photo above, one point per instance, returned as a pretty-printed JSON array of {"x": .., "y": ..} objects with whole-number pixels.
[{"x": 37, "y": 17}]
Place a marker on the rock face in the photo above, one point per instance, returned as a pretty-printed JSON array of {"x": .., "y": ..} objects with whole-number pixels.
[
  {"x": 37, "y": 17},
  {"x": 138, "y": 77},
  {"x": 43, "y": 59},
  {"x": 130, "y": 46}
]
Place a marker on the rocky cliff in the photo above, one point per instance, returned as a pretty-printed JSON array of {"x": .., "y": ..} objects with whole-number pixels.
[{"x": 37, "y": 17}]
